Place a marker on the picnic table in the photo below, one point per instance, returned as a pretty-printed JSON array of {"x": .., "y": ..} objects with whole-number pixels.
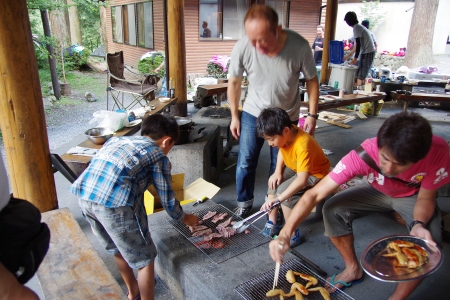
[{"x": 78, "y": 163}]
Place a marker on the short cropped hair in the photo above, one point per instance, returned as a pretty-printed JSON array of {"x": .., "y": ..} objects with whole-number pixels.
[
  {"x": 157, "y": 126},
  {"x": 272, "y": 121},
  {"x": 321, "y": 26},
  {"x": 407, "y": 136},
  {"x": 206, "y": 23},
  {"x": 267, "y": 13},
  {"x": 351, "y": 18},
  {"x": 365, "y": 23}
]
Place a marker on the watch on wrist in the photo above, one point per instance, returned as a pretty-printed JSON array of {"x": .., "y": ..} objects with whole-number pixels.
[
  {"x": 316, "y": 116},
  {"x": 415, "y": 222}
]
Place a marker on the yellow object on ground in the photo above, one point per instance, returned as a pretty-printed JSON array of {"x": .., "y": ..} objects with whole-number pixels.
[
  {"x": 196, "y": 190},
  {"x": 366, "y": 108}
]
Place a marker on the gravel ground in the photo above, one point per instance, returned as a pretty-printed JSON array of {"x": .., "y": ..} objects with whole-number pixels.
[{"x": 66, "y": 121}]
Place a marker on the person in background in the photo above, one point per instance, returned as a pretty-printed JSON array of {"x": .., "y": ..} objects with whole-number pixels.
[
  {"x": 317, "y": 46},
  {"x": 300, "y": 164},
  {"x": 10, "y": 288},
  {"x": 163, "y": 91},
  {"x": 366, "y": 24},
  {"x": 273, "y": 59},
  {"x": 206, "y": 31},
  {"x": 111, "y": 198},
  {"x": 409, "y": 165},
  {"x": 364, "y": 48}
]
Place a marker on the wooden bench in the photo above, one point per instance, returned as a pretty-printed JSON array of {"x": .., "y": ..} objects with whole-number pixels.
[{"x": 72, "y": 269}]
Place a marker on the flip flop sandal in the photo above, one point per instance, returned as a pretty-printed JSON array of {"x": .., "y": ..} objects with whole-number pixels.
[{"x": 345, "y": 284}]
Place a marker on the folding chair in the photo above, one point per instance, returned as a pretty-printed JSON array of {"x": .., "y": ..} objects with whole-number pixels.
[
  {"x": 59, "y": 165},
  {"x": 141, "y": 89}
]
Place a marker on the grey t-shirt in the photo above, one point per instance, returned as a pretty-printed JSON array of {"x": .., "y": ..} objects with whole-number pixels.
[
  {"x": 367, "y": 45},
  {"x": 273, "y": 81},
  {"x": 4, "y": 185}
]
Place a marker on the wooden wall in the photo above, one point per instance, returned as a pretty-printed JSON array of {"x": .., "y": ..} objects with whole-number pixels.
[{"x": 304, "y": 16}]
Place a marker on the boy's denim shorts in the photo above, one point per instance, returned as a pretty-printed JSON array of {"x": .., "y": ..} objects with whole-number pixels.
[{"x": 118, "y": 231}]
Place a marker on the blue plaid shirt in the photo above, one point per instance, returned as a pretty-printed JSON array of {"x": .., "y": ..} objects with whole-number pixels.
[{"x": 122, "y": 171}]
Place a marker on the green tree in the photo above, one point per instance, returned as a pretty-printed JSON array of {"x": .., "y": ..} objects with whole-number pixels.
[{"x": 372, "y": 11}]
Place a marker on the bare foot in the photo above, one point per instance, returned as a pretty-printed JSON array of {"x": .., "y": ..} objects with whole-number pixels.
[{"x": 346, "y": 277}]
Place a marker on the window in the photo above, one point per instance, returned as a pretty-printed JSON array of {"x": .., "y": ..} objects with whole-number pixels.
[
  {"x": 132, "y": 24},
  {"x": 222, "y": 19},
  {"x": 145, "y": 24},
  {"x": 281, "y": 7}
]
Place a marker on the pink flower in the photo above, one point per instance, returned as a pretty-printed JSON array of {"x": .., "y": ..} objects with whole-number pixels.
[{"x": 221, "y": 60}]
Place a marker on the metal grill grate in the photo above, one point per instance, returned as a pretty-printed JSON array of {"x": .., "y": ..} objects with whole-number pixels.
[
  {"x": 217, "y": 112},
  {"x": 235, "y": 245},
  {"x": 256, "y": 288}
]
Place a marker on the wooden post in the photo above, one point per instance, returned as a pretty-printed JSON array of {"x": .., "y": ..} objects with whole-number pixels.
[
  {"x": 177, "y": 54},
  {"x": 330, "y": 30},
  {"x": 22, "y": 118}
]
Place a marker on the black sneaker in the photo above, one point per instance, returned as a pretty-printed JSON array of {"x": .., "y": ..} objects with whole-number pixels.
[{"x": 242, "y": 212}]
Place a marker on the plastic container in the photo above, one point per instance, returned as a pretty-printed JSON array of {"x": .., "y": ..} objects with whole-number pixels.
[
  {"x": 336, "y": 49},
  {"x": 345, "y": 76},
  {"x": 368, "y": 84}
]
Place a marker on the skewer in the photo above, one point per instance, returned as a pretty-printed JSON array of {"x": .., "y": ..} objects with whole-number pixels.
[{"x": 277, "y": 268}]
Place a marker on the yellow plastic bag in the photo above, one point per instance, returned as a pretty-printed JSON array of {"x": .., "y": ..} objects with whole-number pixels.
[{"x": 366, "y": 108}]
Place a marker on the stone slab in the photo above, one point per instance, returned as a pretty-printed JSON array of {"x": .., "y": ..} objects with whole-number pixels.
[{"x": 201, "y": 157}]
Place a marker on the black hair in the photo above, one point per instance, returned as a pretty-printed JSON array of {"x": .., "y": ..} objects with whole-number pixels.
[
  {"x": 407, "y": 136},
  {"x": 351, "y": 18},
  {"x": 272, "y": 121},
  {"x": 365, "y": 23},
  {"x": 157, "y": 126}
]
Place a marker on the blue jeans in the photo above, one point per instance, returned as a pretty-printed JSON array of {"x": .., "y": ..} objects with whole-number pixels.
[
  {"x": 163, "y": 91},
  {"x": 249, "y": 149}
]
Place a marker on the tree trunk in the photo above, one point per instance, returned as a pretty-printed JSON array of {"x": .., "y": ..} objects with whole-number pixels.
[
  {"x": 60, "y": 28},
  {"x": 103, "y": 32},
  {"x": 51, "y": 56},
  {"x": 74, "y": 24},
  {"x": 419, "y": 51},
  {"x": 22, "y": 117}
]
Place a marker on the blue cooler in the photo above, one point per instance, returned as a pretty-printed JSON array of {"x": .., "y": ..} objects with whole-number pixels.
[{"x": 336, "y": 49}]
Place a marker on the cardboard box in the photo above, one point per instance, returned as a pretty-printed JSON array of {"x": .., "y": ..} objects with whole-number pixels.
[{"x": 196, "y": 190}]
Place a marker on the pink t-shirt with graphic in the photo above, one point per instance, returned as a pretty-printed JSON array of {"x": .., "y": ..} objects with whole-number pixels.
[{"x": 432, "y": 171}]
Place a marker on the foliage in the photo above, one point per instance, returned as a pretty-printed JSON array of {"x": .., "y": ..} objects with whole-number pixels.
[
  {"x": 218, "y": 66},
  {"x": 89, "y": 15},
  {"x": 77, "y": 60},
  {"x": 372, "y": 11},
  {"x": 45, "y": 5},
  {"x": 149, "y": 64}
]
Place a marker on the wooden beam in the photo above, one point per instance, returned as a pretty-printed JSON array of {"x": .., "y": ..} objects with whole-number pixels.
[
  {"x": 330, "y": 31},
  {"x": 22, "y": 117},
  {"x": 177, "y": 54}
]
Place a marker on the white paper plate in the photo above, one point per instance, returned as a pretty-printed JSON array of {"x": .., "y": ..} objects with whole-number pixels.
[
  {"x": 134, "y": 123},
  {"x": 164, "y": 99}
]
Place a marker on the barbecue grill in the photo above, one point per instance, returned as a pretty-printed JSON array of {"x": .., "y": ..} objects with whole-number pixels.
[
  {"x": 234, "y": 245},
  {"x": 256, "y": 288}
]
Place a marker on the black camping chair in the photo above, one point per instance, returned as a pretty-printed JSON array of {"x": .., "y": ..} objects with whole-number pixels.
[{"x": 141, "y": 89}]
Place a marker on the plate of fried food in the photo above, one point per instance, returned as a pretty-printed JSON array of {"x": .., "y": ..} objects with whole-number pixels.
[{"x": 400, "y": 258}]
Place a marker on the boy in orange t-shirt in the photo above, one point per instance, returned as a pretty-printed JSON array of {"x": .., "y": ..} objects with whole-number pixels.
[{"x": 300, "y": 164}]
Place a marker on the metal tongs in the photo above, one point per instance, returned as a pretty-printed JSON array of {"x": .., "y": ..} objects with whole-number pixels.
[
  {"x": 201, "y": 200},
  {"x": 244, "y": 224}
]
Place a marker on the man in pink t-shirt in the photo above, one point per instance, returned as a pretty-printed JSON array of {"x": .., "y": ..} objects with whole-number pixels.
[{"x": 410, "y": 165}]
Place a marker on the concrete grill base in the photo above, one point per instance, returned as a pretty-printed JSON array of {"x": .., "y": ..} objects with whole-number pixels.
[{"x": 189, "y": 274}]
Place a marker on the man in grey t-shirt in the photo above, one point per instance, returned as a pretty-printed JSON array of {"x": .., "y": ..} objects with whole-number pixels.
[
  {"x": 273, "y": 59},
  {"x": 364, "y": 46}
]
